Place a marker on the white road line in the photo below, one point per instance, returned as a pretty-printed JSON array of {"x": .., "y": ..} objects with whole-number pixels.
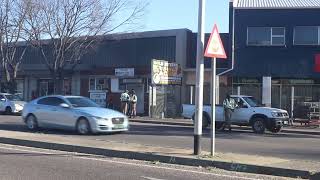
[
  {"x": 124, "y": 163},
  {"x": 151, "y": 178}
]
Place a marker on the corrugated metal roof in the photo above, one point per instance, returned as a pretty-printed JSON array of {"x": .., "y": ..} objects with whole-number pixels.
[{"x": 276, "y": 4}]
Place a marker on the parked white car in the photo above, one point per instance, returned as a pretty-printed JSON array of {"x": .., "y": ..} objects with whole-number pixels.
[
  {"x": 10, "y": 103},
  {"x": 248, "y": 113},
  {"x": 72, "y": 113}
]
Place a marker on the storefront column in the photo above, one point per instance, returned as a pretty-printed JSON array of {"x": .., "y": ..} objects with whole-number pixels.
[
  {"x": 75, "y": 84},
  {"x": 266, "y": 91}
]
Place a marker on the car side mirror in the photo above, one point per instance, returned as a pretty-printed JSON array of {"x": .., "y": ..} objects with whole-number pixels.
[
  {"x": 64, "y": 105},
  {"x": 245, "y": 106}
]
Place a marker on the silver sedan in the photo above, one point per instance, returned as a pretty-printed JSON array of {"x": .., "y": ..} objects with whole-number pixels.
[{"x": 72, "y": 113}]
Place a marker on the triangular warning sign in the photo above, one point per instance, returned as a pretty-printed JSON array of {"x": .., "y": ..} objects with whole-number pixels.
[{"x": 215, "y": 47}]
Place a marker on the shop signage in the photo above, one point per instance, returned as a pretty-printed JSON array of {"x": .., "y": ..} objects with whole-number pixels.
[
  {"x": 132, "y": 81},
  {"x": 124, "y": 72},
  {"x": 165, "y": 73},
  {"x": 99, "y": 98}
]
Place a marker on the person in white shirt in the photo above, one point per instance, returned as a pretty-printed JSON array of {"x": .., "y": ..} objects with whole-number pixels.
[
  {"x": 229, "y": 105},
  {"x": 124, "y": 98},
  {"x": 133, "y": 101}
]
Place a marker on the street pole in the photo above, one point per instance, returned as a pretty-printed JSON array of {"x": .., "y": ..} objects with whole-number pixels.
[
  {"x": 199, "y": 79},
  {"x": 213, "y": 105}
]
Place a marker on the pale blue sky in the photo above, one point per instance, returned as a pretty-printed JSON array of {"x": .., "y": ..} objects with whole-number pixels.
[{"x": 176, "y": 14}]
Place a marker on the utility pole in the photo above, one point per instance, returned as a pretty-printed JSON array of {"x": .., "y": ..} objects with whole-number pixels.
[
  {"x": 199, "y": 79},
  {"x": 213, "y": 105}
]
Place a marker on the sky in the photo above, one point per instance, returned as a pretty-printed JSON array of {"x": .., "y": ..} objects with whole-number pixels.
[{"x": 176, "y": 14}]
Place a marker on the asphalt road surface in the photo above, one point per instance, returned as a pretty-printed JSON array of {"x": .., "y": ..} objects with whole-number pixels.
[
  {"x": 37, "y": 164},
  {"x": 292, "y": 146}
]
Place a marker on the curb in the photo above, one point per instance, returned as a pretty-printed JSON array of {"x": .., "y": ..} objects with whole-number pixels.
[
  {"x": 162, "y": 122},
  {"x": 191, "y": 125},
  {"x": 165, "y": 159}
]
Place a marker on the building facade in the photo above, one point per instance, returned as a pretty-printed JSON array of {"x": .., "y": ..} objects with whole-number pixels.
[
  {"x": 118, "y": 63},
  {"x": 276, "y": 46},
  {"x": 272, "y": 49}
]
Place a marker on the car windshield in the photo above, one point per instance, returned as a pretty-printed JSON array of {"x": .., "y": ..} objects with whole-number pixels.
[
  {"x": 251, "y": 101},
  {"x": 13, "y": 98},
  {"x": 81, "y": 102}
]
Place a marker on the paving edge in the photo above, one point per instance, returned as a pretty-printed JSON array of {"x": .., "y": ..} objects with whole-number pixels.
[
  {"x": 191, "y": 125},
  {"x": 165, "y": 159}
]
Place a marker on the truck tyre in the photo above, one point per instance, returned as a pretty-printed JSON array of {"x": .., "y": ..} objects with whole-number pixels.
[
  {"x": 205, "y": 120},
  {"x": 258, "y": 125},
  {"x": 219, "y": 125},
  {"x": 275, "y": 129}
]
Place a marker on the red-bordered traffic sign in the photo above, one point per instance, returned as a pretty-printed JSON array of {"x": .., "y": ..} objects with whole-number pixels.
[{"x": 215, "y": 47}]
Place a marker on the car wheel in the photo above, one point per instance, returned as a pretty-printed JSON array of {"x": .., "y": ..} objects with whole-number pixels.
[
  {"x": 32, "y": 122},
  {"x": 275, "y": 129},
  {"x": 258, "y": 125},
  {"x": 83, "y": 127},
  {"x": 205, "y": 121},
  {"x": 219, "y": 125},
  {"x": 8, "y": 111}
]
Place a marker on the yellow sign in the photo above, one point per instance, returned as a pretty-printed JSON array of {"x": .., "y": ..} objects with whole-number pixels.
[{"x": 165, "y": 73}]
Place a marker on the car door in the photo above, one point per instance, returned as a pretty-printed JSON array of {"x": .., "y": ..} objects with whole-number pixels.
[
  {"x": 2, "y": 103},
  {"x": 43, "y": 112},
  {"x": 62, "y": 117},
  {"x": 242, "y": 112}
]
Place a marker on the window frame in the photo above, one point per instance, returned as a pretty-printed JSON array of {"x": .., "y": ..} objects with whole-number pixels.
[
  {"x": 48, "y": 98},
  {"x": 271, "y": 36},
  {"x": 96, "y": 79},
  {"x": 294, "y": 35}
]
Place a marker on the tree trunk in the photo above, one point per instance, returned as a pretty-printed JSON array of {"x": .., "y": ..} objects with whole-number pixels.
[{"x": 58, "y": 83}]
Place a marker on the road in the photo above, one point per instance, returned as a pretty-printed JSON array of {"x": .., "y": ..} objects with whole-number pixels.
[
  {"x": 282, "y": 145},
  {"x": 36, "y": 164}
]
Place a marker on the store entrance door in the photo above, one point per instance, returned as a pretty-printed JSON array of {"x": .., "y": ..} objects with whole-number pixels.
[{"x": 138, "y": 88}]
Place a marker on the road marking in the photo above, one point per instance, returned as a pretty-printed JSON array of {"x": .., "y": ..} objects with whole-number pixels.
[
  {"x": 151, "y": 178},
  {"x": 117, "y": 162}
]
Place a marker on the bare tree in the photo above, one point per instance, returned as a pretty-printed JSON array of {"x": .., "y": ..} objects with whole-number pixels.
[
  {"x": 12, "y": 33},
  {"x": 65, "y": 30}
]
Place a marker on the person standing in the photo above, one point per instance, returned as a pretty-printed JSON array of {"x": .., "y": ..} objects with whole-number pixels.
[
  {"x": 124, "y": 98},
  {"x": 229, "y": 105},
  {"x": 133, "y": 102}
]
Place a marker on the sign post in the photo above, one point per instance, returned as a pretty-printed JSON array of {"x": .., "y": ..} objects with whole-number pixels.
[
  {"x": 214, "y": 50},
  {"x": 199, "y": 81}
]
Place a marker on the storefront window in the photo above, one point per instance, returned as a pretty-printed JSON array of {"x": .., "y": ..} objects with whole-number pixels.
[
  {"x": 67, "y": 87},
  {"x": 100, "y": 84},
  {"x": 92, "y": 84}
]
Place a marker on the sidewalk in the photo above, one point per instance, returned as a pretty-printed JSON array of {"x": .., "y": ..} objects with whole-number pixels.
[
  {"x": 227, "y": 161},
  {"x": 296, "y": 128}
]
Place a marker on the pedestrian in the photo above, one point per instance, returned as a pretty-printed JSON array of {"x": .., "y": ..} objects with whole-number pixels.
[
  {"x": 124, "y": 98},
  {"x": 110, "y": 104},
  {"x": 133, "y": 102},
  {"x": 229, "y": 105}
]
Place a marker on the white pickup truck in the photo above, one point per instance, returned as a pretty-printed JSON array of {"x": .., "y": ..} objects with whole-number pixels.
[{"x": 248, "y": 113}]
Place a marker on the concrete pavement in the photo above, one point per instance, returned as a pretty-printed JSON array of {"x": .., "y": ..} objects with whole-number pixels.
[
  {"x": 32, "y": 163},
  {"x": 227, "y": 161}
]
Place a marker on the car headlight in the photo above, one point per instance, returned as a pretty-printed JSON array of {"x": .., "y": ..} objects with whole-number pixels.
[
  {"x": 18, "y": 106},
  {"x": 275, "y": 114},
  {"x": 99, "y": 118}
]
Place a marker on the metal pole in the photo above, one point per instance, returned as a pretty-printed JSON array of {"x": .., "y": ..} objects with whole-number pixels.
[
  {"x": 213, "y": 105},
  {"x": 199, "y": 80},
  {"x": 292, "y": 105}
]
